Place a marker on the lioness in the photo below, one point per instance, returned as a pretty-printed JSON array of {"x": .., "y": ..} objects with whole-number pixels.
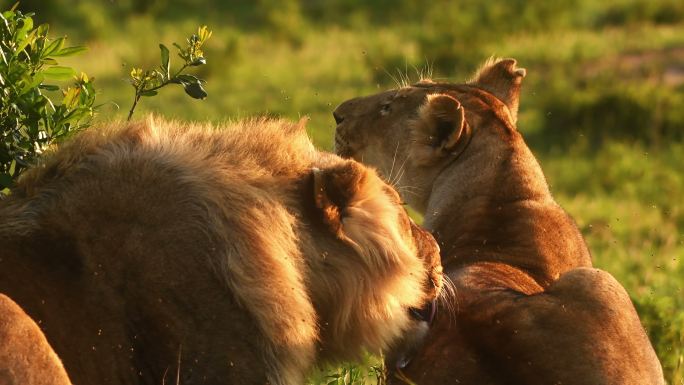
[
  {"x": 528, "y": 307},
  {"x": 160, "y": 252}
]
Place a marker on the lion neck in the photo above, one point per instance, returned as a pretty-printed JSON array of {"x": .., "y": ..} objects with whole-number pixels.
[{"x": 493, "y": 205}]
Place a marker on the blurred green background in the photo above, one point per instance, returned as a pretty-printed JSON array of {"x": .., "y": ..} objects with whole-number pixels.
[{"x": 602, "y": 105}]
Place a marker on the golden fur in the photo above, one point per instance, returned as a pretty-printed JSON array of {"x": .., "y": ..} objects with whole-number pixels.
[
  {"x": 528, "y": 308},
  {"x": 238, "y": 254},
  {"x": 25, "y": 356}
]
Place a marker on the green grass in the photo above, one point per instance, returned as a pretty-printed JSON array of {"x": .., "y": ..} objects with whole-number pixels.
[
  {"x": 371, "y": 372},
  {"x": 601, "y": 104}
]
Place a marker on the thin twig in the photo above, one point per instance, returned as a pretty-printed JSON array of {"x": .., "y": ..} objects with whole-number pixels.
[{"x": 139, "y": 91}]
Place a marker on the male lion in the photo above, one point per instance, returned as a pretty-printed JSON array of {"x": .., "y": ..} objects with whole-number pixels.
[
  {"x": 528, "y": 307},
  {"x": 158, "y": 252}
]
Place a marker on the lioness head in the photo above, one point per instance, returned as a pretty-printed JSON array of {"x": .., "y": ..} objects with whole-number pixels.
[{"x": 413, "y": 133}]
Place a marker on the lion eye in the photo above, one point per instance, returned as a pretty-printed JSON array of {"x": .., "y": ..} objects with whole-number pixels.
[{"x": 385, "y": 109}]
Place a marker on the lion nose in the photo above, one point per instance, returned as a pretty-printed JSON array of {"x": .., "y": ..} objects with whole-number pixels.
[{"x": 338, "y": 118}]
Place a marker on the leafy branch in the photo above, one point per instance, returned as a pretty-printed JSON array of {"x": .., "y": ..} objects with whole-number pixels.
[
  {"x": 30, "y": 117},
  {"x": 148, "y": 82}
]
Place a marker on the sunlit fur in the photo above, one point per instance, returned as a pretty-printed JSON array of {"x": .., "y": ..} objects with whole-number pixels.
[
  {"x": 315, "y": 295},
  {"x": 25, "y": 355},
  {"x": 502, "y": 78},
  {"x": 526, "y": 305}
]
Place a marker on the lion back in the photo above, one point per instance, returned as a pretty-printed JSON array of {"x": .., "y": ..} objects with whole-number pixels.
[{"x": 173, "y": 190}]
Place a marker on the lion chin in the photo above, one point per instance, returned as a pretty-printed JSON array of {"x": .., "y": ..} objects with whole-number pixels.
[
  {"x": 239, "y": 254},
  {"x": 527, "y": 308}
]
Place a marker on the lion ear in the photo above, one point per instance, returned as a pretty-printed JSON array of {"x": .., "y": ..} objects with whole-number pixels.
[
  {"x": 441, "y": 129},
  {"x": 336, "y": 189},
  {"x": 501, "y": 78}
]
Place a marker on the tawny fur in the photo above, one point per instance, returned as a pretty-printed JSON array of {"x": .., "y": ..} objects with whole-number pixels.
[
  {"x": 202, "y": 250},
  {"x": 25, "y": 356},
  {"x": 527, "y": 308}
]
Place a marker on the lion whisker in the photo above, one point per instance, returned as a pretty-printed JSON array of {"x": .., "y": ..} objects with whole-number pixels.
[
  {"x": 394, "y": 79},
  {"x": 394, "y": 159},
  {"x": 424, "y": 73},
  {"x": 413, "y": 190},
  {"x": 448, "y": 298},
  {"x": 405, "y": 81},
  {"x": 400, "y": 173}
]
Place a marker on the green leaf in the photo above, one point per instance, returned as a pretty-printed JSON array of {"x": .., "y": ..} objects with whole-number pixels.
[
  {"x": 148, "y": 93},
  {"x": 165, "y": 60},
  {"x": 189, "y": 78},
  {"x": 42, "y": 29},
  {"x": 27, "y": 25},
  {"x": 52, "y": 47},
  {"x": 30, "y": 38},
  {"x": 59, "y": 73},
  {"x": 13, "y": 168},
  {"x": 195, "y": 90},
  {"x": 71, "y": 99},
  {"x": 49, "y": 87},
  {"x": 68, "y": 51},
  {"x": 32, "y": 82}
]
